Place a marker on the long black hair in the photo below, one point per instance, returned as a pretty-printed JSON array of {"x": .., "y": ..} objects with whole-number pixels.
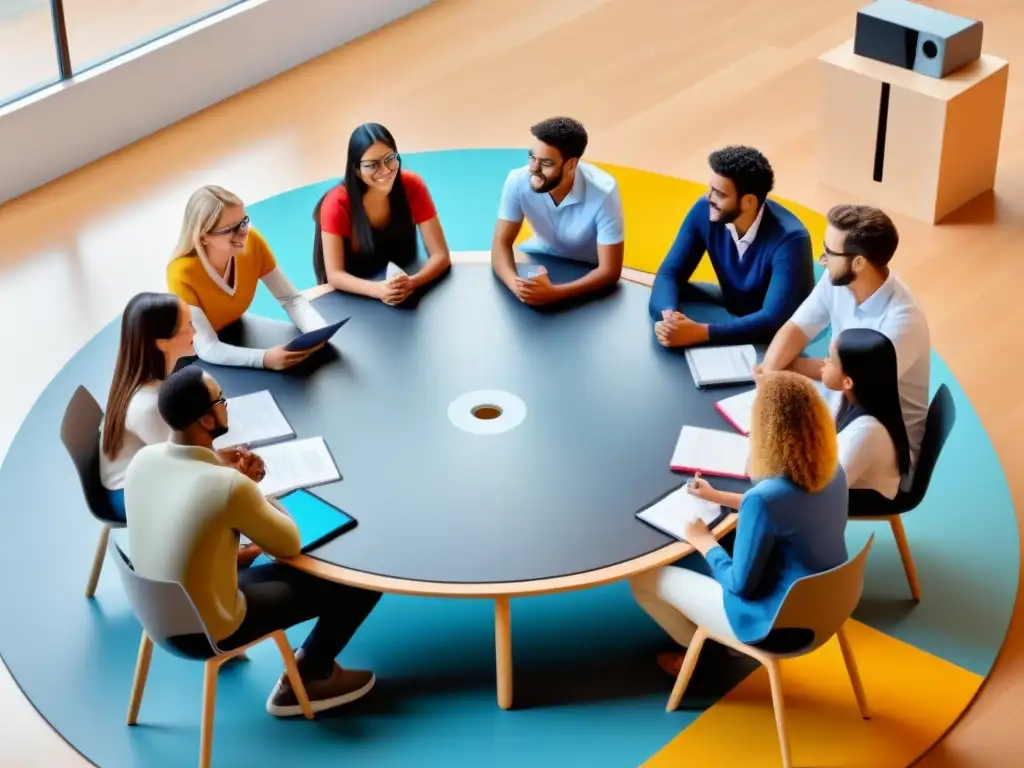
[
  {"x": 868, "y": 357},
  {"x": 401, "y": 224},
  {"x": 148, "y": 318}
]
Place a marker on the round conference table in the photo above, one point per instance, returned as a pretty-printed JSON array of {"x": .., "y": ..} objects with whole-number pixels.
[{"x": 489, "y": 449}]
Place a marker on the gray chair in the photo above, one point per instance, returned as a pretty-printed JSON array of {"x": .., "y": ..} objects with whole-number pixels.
[
  {"x": 170, "y": 620},
  {"x": 813, "y": 611},
  {"x": 80, "y": 433}
]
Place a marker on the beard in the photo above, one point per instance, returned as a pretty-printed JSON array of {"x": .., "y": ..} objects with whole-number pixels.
[
  {"x": 546, "y": 184},
  {"x": 844, "y": 279},
  {"x": 726, "y": 215}
]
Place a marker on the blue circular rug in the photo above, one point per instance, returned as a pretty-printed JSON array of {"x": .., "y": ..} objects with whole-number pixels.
[{"x": 587, "y": 690}]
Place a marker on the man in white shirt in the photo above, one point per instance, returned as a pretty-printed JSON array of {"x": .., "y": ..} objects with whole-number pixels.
[
  {"x": 574, "y": 210},
  {"x": 859, "y": 291}
]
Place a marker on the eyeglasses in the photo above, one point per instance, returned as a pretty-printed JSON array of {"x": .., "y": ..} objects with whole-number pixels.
[
  {"x": 388, "y": 161},
  {"x": 545, "y": 163},
  {"x": 823, "y": 259},
  {"x": 233, "y": 230}
]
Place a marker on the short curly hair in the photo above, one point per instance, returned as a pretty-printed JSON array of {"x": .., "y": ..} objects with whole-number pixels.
[
  {"x": 747, "y": 168},
  {"x": 792, "y": 432},
  {"x": 565, "y": 134}
]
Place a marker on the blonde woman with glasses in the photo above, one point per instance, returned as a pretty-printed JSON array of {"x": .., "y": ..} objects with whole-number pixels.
[
  {"x": 791, "y": 524},
  {"x": 218, "y": 262}
]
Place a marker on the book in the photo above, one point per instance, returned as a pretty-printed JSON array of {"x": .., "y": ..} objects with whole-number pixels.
[
  {"x": 712, "y": 452},
  {"x": 738, "y": 410},
  {"x": 674, "y": 511},
  {"x": 254, "y": 420},
  {"x": 297, "y": 464},
  {"x": 715, "y": 366}
]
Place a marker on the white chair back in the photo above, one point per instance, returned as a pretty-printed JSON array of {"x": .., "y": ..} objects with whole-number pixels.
[{"x": 823, "y": 602}]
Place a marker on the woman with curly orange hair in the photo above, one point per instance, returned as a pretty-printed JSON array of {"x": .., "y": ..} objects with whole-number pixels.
[{"x": 791, "y": 524}]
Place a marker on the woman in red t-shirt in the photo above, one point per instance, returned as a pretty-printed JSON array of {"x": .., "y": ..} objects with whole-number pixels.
[{"x": 369, "y": 220}]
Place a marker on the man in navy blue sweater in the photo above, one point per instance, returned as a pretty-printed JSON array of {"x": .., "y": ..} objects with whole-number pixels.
[{"x": 761, "y": 254}]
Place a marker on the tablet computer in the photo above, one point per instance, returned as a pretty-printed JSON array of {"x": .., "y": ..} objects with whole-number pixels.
[
  {"x": 318, "y": 522},
  {"x": 313, "y": 338}
]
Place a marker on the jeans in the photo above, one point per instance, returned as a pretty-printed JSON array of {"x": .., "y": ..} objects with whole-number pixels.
[{"x": 279, "y": 596}]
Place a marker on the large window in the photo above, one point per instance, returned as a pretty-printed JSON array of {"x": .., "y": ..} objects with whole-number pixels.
[
  {"x": 28, "y": 59},
  {"x": 96, "y": 31}
]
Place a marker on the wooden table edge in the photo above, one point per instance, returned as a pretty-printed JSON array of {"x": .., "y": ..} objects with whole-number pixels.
[{"x": 507, "y": 589}]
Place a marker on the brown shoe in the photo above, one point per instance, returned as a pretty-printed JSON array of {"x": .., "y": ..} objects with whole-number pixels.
[
  {"x": 671, "y": 663},
  {"x": 342, "y": 687}
]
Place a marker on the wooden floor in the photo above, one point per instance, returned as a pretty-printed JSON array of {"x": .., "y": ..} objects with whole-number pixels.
[{"x": 658, "y": 85}]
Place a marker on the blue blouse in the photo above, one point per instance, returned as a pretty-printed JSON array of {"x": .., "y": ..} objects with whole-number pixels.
[{"x": 783, "y": 534}]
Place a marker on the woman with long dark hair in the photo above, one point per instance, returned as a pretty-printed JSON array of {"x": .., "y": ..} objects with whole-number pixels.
[
  {"x": 156, "y": 332},
  {"x": 370, "y": 221},
  {"x": 874, "y": 449}
]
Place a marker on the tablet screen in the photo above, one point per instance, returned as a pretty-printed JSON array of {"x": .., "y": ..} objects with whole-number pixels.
[{"x": 315, "y": 519}]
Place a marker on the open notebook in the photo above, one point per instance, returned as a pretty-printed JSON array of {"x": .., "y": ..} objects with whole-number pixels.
[
  {"x": 711, "y": 452},
  {"x": 716, "y": 366},
  {"x": 738, "y": 409},
  {"x": 671, "y": 513},
  {"x": 297, "y": 464},
  {"x": 254, "y": 420}
]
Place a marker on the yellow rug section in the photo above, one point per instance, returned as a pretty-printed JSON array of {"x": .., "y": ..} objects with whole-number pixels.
[
  {"x": 654, "y": 207},
  {"x": 914, "y": 698}
]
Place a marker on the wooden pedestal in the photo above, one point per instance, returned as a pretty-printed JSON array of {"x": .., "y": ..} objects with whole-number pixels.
[{"x": 907, "y": 142}]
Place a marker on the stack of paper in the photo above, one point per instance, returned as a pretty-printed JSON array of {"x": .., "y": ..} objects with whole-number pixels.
[
  {"x": 674, "y": 512},
  {"x": 254, "y": 420},
  {"x": 711, "y": 452},
  {"x": 714, "y": 366},
  {"x": 297, "y": 464}
]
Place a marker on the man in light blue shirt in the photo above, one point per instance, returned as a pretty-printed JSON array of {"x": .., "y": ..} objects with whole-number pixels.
[{"x": 573, "y": 208}]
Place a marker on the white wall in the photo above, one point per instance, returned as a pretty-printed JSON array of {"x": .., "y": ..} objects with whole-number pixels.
[{"x": 71, "y": 124}]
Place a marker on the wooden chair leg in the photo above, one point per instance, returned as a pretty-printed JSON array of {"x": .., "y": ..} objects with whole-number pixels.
[
  {"x": 778, "y": 703},
  {"x": 851, "y": 668},
  {"x": 503, "y": 650},
  {"x": 908, "y": 562},
  {"x": 97, "y": 562},
  {"x": 686, "y": 670},
  {"x": 292, "y": 670},
  {"x": 209, "y": 705},
  {"x": 141, "y": 673}
]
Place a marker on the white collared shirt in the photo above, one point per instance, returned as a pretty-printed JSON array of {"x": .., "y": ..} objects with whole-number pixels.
[
  {"x": 890, "y": 310},
  {"x": 742, "y": 243},
  {"x": 867, "y": 452},
  {"x": 589, "y": 216}
]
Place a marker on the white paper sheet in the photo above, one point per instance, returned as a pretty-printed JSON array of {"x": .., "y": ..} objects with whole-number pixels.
[
  {"x": 297, "y": 464},
  {"x": 254, "y": 420},
  {"x": 673, "y": 513}
]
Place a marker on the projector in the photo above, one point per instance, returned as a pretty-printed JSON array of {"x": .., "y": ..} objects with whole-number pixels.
[{"x": 913, "y": 36}]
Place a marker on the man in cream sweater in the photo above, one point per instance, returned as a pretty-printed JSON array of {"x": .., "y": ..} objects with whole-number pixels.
[{"x": 185, "y": 512}]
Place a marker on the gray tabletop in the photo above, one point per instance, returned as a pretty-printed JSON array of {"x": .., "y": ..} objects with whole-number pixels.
[{"x": 555, "y": 495}]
